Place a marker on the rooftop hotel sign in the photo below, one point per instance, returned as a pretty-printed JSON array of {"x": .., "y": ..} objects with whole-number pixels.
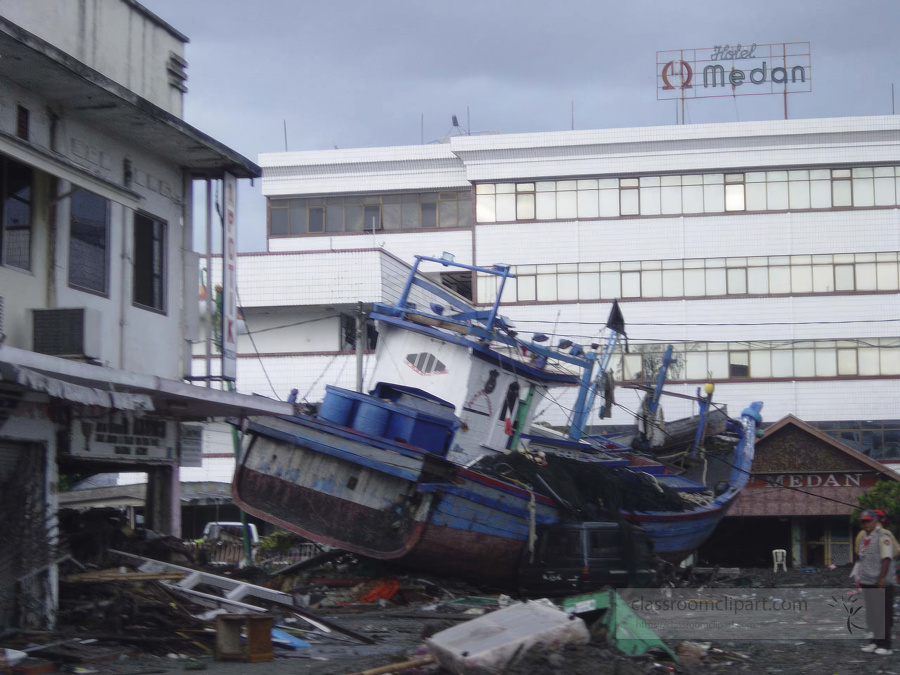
[{"x": 733, "y": 70}]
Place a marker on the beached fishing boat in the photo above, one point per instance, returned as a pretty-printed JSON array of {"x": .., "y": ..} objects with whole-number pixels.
[{"x": 439, "y": 467}]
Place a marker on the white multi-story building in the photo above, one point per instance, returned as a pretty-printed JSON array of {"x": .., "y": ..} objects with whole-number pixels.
[
  {"x": 765, "y": 252},
  {"x": 98, "y": 282}
]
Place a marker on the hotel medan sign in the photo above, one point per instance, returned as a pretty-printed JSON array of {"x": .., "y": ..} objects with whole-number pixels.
[{"x": 726, "y": 70}]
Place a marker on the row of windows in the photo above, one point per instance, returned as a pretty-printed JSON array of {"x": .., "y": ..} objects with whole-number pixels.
[
  {"x": 89, "y": 251},
  {"x": 761, "y": 275},
  {"x": 741, "y": 360},
  {"x": 428, "y": 210},
  {"x": 15, "y": 213},
  {"x": 877, "y": 439},
  {"x": 688, "y": 194}
]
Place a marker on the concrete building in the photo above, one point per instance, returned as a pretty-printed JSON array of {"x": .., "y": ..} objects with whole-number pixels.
[
  {"x": 98, "y": 282},
  {"x": 766, "y": 252}
]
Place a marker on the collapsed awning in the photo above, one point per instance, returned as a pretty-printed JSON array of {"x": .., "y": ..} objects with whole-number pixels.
[{"x": 75, "y": 393}]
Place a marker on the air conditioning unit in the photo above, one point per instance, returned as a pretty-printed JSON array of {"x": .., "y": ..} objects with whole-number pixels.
[{"x": 70, "y": 332}]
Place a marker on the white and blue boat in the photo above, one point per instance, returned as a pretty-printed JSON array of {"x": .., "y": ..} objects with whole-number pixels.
[{"x": 440, "y": 468}]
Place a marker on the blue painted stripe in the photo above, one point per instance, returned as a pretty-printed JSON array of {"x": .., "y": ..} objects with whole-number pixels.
[{"x": 487, "y": 502}]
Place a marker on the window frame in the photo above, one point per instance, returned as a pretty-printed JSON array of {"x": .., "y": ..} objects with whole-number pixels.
[
  {"x": 5, "y": 227},
  {"x": 159, "y": 241},
  {"x": 106, "y": 241}
]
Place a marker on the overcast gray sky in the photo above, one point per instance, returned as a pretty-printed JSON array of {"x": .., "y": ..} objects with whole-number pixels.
[{"x": 354, "y": 73}]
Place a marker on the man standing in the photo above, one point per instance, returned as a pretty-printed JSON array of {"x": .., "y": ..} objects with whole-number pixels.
[{"x": 877, "y": 576}]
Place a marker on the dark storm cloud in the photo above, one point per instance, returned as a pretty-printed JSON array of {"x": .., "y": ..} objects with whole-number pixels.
[{"x": 357, "y": 73}]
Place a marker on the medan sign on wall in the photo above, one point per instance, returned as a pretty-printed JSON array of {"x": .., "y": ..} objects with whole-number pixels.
[{"x": 734, "y": 70}]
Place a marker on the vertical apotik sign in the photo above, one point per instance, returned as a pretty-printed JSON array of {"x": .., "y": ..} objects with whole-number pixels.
[{"x": 229, "y": 279}]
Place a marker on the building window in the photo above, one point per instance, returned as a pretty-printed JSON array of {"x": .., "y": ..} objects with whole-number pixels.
[
  {"x": 369, "y": 213},
  {"x": 89, "y": 242},
  {"x": 22, "y": 122},
  {"x": 794, "y": 190},
  {"x": 15, "y": 213},
  {"x": 693, "y": 278},
  {"x": 348, "y": 334},
  {"x": 149, "y": 262},
  {"x": 700, "y": 361}
]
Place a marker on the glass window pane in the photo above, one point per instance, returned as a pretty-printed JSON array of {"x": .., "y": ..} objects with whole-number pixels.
[
  {"x": 588, "y": 205},
  {"x": 609, "y": 203},
  {"x": 820, "y": 194},
  {"x": 890, "y": 361},
  {"x": 545, "y": 208},
  {"x": 525, "y": 288},
  {"x": 779, "y": 280},
  {"x": 846, "y": 362},
  {"x": 869, "y": 361},
  {"x": 353, "y": 218},
  {"x": 865, "y": 277},
  {"x": 761, "y": 363},
  {"x": 756, "y": 196},
  {"x": 737, "y": 281},
  {"x": 777, "y": 195},
  {"x": 695, "y": 365},
  {"x": 390, "y": 216},
  {"x": 841, "y": 193},
  {"x": 650, "y": 201},
  {"x": 673, "y": 283},
  {"x": 447, "y": 215},
  {"x": 567, "y": 204},
  {"x": 334, "y": 218},
  {"x": 317, "y": 219},
  {"x": 589, "y": 286},
  {"x": 567, "y": 285},
  {"x": 630, "y": 202},
  {"x": 670, "y": 199},
  {"x": 804, "y": 363},
  {"x": 429, "y": 214},
  {"x": 692, "y": 198},
  {"x": 694, "y": 283},
  {"x": 823, "y": 278},
  {"x": 546, "y": 186},
  {"x": 714, "y": 198},
  {"x": 278, "y": 221},
  {"x": 505, "y": 188},
  {"x": 298, "y": 216},
  {"x": 506, "y": 207},
  {"x": 485, "y": 208},
  {"x": 887, "y": 276},
  {"x": 525, "y": 206},
  {"x": 844, "y": 278},
  {"x": 631, "y": 367},
  {"x": 484, "y": 189},
  {"x": 884, "y": 192},
  {"x": 410, "y": 215},
  {"x": 717, "y": 364},
  {"x": 715, "y": 282},
  {"x": 546, "y": 287},
  {"x": 758, "y": 280},
  {"x": 524, "y": 187},
  {"x": 651, "y": 283},
  {"x": 826, "y": 362},
  {"x": 801, "y": 279},
  {"x": 863, "y": 192},
  {"x": 799, "y": 194},
  {"x": 739, "y": 364},
  {"x": 631, "y": 284},
  {"x": 782, "y": 363},
  {"x": 734, "y": 197},
  {"x": 610, "y": 285}
]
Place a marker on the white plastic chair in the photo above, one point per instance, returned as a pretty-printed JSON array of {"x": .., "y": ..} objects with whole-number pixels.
[{"x": 779, "y": 556}]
